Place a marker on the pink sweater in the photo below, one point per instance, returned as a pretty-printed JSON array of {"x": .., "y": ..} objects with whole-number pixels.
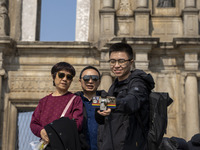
[{"x": 51, "y": 107}]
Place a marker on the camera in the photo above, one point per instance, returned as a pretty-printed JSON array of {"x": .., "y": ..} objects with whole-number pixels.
[{"x": 104, "y": 103}]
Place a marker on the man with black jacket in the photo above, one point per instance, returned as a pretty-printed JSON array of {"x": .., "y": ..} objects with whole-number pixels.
[
  {"x": 122, "y": 131},
  {"x": 90, "y": 81}
]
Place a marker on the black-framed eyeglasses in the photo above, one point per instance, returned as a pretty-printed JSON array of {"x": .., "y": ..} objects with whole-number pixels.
[
  {"x": 61, "y": 75},
  {"x": 120, "y": 61},
  {"x": 87, "y": 78}
]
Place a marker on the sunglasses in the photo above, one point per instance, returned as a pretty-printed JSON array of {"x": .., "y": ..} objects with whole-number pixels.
[
  {"x": 87, "y": 78},
  {"x": 62, "y": 75}
]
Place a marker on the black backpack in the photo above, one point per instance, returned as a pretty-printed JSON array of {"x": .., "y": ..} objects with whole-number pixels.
[{"x": 159, "y": 101}]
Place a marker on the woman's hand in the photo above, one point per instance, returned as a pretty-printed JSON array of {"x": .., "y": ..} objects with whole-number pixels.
[
  {"x": 105, "y": 112},
  {"x": 44, "y": 136}
]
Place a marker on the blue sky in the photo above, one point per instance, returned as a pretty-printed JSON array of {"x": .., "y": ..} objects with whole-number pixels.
[{"x": 58, "y": 20}]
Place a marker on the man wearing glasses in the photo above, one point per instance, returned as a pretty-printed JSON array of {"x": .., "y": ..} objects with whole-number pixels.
[
  {"x": 122, "y": 130},
  {"x": 90, "y": 81}
]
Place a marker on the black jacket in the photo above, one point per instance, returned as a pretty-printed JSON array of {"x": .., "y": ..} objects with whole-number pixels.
[
  {"x": 122, "y": 130},
  {"x": 63, "y": 135},
  {"x": 194, "y": 143},
  {"x": 83, "y": 134}
]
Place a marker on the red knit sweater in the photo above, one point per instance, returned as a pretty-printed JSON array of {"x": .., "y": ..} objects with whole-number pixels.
[{"x": 51, "y": 107}]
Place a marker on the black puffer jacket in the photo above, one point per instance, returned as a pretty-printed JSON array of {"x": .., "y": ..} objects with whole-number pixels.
[{"x": 122, "y": 130}]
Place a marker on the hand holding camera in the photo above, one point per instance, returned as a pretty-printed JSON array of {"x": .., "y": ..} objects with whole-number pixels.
[{"x": 104, "y": 103}]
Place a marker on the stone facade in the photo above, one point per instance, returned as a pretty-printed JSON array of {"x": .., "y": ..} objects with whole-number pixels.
[{"x": 165, "y": 41}]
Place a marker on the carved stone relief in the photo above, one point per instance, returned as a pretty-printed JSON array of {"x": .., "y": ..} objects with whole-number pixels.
[{"x": 125, "y": 8}]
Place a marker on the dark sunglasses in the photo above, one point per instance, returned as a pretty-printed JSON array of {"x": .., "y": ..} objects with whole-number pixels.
[
  {"x": 87, "y": 78},
  {"x": 62, "y": 75}
]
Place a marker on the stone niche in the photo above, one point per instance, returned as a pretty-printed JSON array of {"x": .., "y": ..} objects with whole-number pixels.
[{"x": 166, "y": 11}]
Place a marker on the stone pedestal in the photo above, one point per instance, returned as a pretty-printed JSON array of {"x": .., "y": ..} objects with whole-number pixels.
[
  {"x": 142, "y": 4},
  {"x": 191, "y": 61},
  {"x": 142, "y": 22},
  {"x": 191, "y": 102},
  {"x": 141, "y": 56},
  {"x": 107, "y": 22},
  {"x": 190, "y": 21},
  {"x": 190, "y": 3},
  {"x": 107, "y": 3}
]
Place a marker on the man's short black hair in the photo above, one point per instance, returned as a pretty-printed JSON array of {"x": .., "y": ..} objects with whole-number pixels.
[
  {"x": 122, "y": 47},
  {"x": 89, "y": 67}
]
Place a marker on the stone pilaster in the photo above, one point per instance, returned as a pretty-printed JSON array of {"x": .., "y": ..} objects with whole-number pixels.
[
  {"x": 191, "y": 101},
  {"x": 107, "y": 16},
  {"x": 190, "y": 18},
  {"x": 142, "y": 15}
]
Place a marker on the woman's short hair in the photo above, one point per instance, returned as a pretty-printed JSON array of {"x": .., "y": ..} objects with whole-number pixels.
[{"x": 62, "y": 66}]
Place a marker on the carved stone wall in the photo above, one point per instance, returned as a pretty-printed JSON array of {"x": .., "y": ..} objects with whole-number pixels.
[{"x": 165, "y": 42}]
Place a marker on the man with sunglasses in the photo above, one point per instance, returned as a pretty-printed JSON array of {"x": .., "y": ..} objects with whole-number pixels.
[
  {"x": 122, "y": 130},
  {"x": 90, "y": 81}
]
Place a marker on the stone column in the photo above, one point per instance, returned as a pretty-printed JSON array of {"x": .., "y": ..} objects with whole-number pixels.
[
  {"x": 190, "y": 18},
  {"x": 190, "y": 3},
  {"x": 142, "y": 4},
  {"x": 106, "y": 81},
  {"x": 191, "y": 101}
]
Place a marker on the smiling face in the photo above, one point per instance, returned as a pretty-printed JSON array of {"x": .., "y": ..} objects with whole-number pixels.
[
  {"x": 89, "y": 85},
  {"x": 121, "y": 70},
  {"x": 62, "y": 82}
]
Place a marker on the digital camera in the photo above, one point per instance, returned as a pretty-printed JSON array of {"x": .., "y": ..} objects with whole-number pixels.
[{"x": 104, "y": 103}]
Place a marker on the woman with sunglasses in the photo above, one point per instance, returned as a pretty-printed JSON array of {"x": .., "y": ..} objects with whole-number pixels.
[{"x": 51, "y": 106}]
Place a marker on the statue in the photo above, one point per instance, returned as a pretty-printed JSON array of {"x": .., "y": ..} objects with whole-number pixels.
[{"x": 166, "y": 3}]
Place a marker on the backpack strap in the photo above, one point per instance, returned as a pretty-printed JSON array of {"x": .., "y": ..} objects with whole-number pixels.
[{"x": 67, "y": 106}]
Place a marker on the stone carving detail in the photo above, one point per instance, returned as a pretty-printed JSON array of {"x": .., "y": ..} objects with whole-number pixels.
[
  {"x": 22, "y": 83},
  {"x": 31, "y": 84},
  {"x": 166, "y": 3},
  {"x": 3, "y": 18},
  {"x": 125, "y": 8}
]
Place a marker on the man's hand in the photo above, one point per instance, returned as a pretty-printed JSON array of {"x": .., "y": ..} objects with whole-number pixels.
[
  {"x": 44, "y": 136},
  {"x": 105, "y": 112}
]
